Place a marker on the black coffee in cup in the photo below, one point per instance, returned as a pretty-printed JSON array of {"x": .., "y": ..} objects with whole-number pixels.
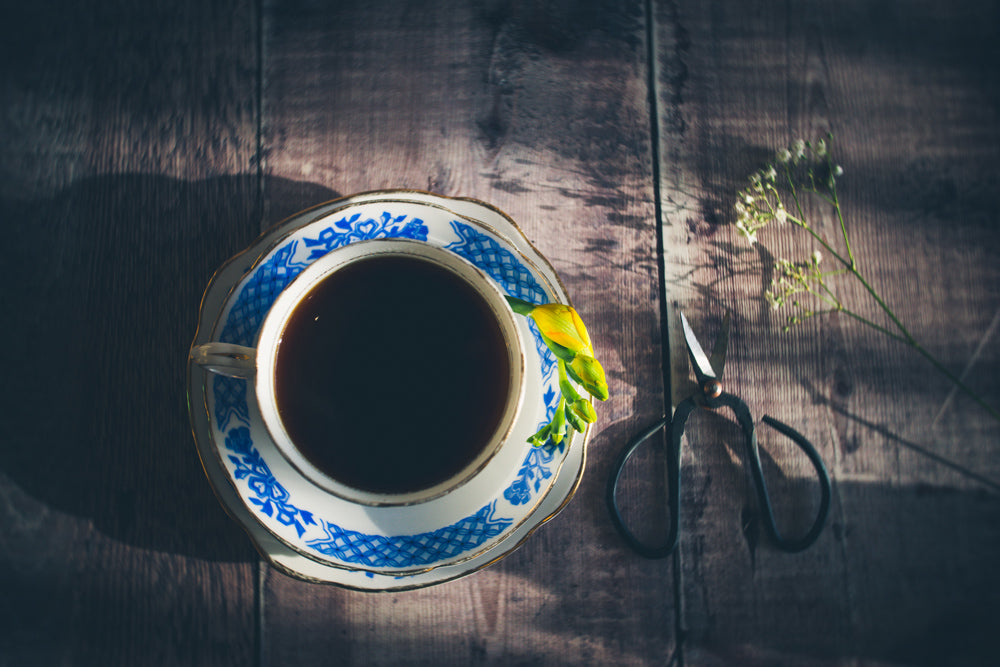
[{"x": 392, "y": 374}]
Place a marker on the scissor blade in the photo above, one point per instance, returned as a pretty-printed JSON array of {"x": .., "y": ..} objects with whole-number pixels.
[
  {"x": 718, "y": 358},
  {"x": 702, "y": 366}
]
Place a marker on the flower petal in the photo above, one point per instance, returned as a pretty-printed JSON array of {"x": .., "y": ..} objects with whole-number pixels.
[{"x": 562, "y": 325}]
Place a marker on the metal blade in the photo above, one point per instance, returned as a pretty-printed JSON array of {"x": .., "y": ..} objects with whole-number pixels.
[
  {"x": 702, "y": 366},
  {"x": 718, "y": 358}
]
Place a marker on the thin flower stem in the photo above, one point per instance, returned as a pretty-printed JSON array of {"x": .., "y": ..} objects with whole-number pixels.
[
  {"x": 838, "y": 272},
  {"x": 795, "y": 196},
  {"x": 864, "y": 320},
  {"x": 851, "y": 265},
  {"x": 824, "y": 198},
  {"x": 800, "y": 222},
  {"x": 908, "y": 339},
  {"x": 824, "y": 295},
  {"x": 808, "y": 314},
  {"x": 906, "y": 335},
  {"x": 840, "y": 214},
  {"x": 831, "y": 296},
  {"x": 955, "y": 380},
  {"x": 806, "y": 278}
]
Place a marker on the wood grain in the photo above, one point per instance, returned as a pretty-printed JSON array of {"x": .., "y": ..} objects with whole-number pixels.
[
  {"x": 143, "y": 144},
  {"x": 128, "y": 137},
  {"x": 900, "y": 575},
  {"x": 541, "y": 110}
]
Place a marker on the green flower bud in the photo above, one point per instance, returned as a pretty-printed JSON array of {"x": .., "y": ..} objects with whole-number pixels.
[
  {"x": 563, "y": 331},
  {"x": 542, "y": 437},
  {"x": 584, "y": 410},
  {"x": 574, "y": 420},
  {"x": 588, "y": 372},
  {"x": 559, "y": 422},
  {"x": 565, "y": 386}
]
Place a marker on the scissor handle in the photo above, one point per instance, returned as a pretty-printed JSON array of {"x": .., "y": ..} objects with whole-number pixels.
[
  {"x": 677, "y": 423},
  {"x": 673, "y": 478},
  {"x": 742, "y": 413}
]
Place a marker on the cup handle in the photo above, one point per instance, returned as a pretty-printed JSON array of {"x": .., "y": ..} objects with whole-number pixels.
[{"x": 235, "y": 361}]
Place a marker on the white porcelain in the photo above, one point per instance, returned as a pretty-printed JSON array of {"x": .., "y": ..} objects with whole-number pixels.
[
  {"x": 258, "y": 364},
  {"x": 303, "y": 528}
]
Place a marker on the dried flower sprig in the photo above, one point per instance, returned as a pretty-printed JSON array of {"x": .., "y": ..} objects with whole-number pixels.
[
  {"x": 564, "y": 333},
  {"x": 775, "y": 194}
]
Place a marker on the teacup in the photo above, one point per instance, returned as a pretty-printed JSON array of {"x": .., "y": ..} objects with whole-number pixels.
[{"x": 388, "y": 372}]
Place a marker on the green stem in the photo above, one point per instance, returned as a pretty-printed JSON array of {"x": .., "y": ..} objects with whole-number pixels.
[
  {"x": 824, "y": 198},
  {"x": 840, "y": 214},
  {"x": 806, "y": 314},
  {"x": 850, "y": 261},
  {"x": 877, "y": 327},
  {"x": 829, "y": 297},
  {"x": 795, "y": 195},
  {"x": 906, "y": 335},
  {"x": 909, "y": 340},
  {"x": 901, "y": 334},
  {"x": 520, "y": 306},
  {"x": 565, "y": 386},
  {"x": 800, "y": 222},
  {"x": 955, "y": 379}
]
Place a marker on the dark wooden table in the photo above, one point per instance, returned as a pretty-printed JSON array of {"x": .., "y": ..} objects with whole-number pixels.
[{"x": 144, "y": 143}]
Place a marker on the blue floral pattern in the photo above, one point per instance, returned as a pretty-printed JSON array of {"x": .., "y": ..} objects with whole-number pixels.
[
  {"x": 271, "y": 277},
  {"x": 349, "y": 230},
  {"x": 269, "y": 495},
  {"x": 533, "y": 472},
  {"x": 535, "y": 468},
  {"x": 510, "y": 273},
  {"x": 270, "y": 498}
]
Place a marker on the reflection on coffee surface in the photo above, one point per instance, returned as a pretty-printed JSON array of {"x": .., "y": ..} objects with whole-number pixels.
[{"x": 391, "y": 374}]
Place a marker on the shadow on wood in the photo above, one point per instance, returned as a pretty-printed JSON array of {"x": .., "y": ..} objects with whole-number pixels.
[{"x": 97, "y": 426}]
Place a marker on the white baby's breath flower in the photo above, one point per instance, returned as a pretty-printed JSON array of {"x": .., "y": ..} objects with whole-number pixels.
[
  {"x": 800, "y": 149},
  {"x": 748, "y": 232},
  {"x": 802, "y": 286},
  {"x": 772, "y": 297},
  {"x": 831, "y": 181}
]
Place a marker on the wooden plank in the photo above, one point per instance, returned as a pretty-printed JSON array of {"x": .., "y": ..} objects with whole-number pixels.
[
  {"x": 914, "y": 514},
  {"x": 541, "y": 111},
  {"x": 128, "y": 138}
]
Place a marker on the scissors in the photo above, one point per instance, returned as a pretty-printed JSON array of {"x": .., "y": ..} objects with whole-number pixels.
[{"x": 709, "y": 394}]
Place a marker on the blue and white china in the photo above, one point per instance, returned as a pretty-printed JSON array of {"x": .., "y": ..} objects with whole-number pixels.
[
  {"x": 257, "y": 364},
  {"x": 300, "y": 526}
]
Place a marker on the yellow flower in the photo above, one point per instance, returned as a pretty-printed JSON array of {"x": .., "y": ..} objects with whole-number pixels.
[
  {"x": 565, "y": 334},
  {"x": 562, "y": 325},
  {"x": 563, "y": 331}
]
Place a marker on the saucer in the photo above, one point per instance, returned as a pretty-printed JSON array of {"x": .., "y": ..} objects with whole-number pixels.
[{"x": 306, "y": 531}]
